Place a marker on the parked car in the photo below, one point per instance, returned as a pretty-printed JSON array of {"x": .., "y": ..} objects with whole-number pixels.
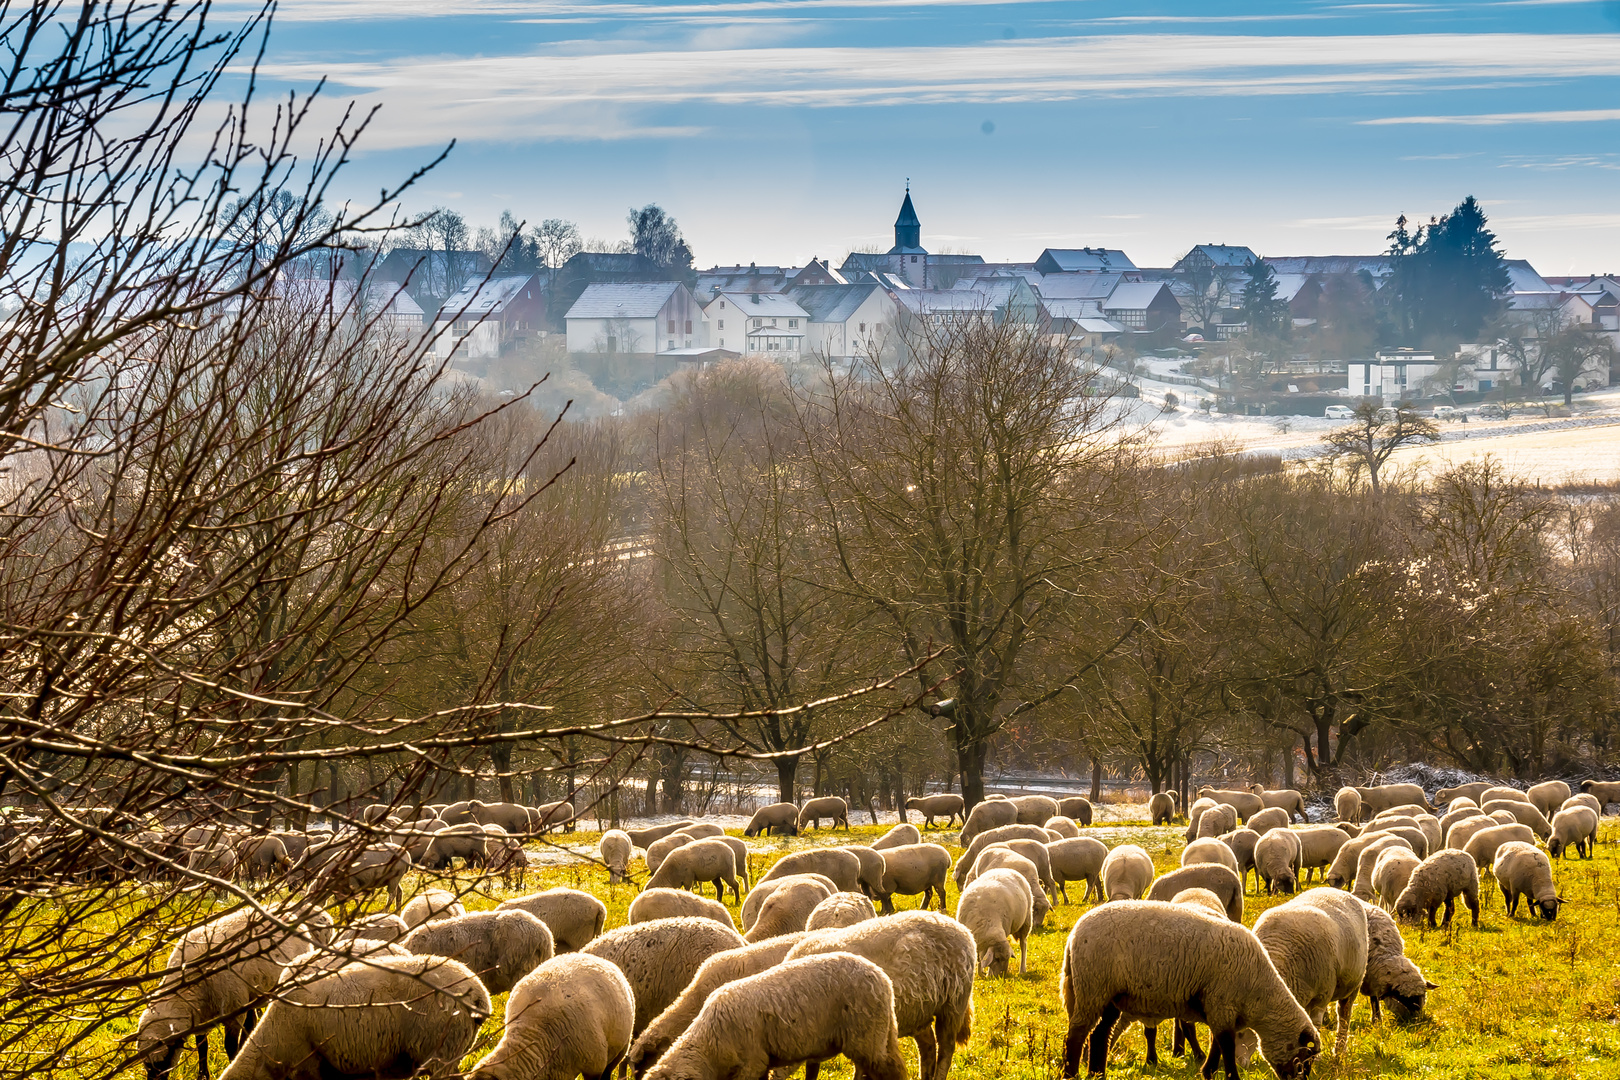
[
  {"x": 1339, "y": 412},
  {"x": 1387, "y": 414},
  {"x": 1447, "y": 412},
  {"x": 1490, "y": 411}
]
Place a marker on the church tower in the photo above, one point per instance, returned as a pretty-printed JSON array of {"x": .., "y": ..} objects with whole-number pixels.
[{"x": 907, "y": 229}]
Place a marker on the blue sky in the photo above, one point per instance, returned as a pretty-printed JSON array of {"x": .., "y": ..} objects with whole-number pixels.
[{"x": 777, "y": 130}]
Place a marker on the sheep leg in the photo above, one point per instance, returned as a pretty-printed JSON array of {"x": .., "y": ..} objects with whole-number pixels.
[
  {"x": 1472, "y": 900},
  {"x": 1451, "y": 908},
  {"x": 927, "y": 1052},
  {"x": 233, "y": 1037},
  {"x": 1073, "y": 1042},
  {"x": 202, "y": 1056},
  {"x": 1342, "y": 1043},
  {"x": 812, "y": 1069},
  {"x": 1097, "y": 1065},
  {"x": 1187, "y": 1040},
  {"x": 1023, "y": 953},
  {"x": 1375, "y": 1008},
  {"x": 1150, "y": 1035}
]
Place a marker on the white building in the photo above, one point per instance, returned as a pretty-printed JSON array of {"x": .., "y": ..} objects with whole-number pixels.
[
  {"x": 757, "y": 324},
  {"x": 634, "y": 317},
  {"x": 1395, "y": 375},
  {"x": 846, "y": 321},
  {"x": 486, "y": 315}
]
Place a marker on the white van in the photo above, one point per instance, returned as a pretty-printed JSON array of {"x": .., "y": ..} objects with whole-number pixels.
[{"x": 1339, "y": 412}]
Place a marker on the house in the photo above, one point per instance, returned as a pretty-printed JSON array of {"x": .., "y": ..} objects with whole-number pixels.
[
  {"x": 817, "y": 272},
  {"x": 637, "y": 318},
  {"x": 1215, "y": 257},
  {"x": 751, "y": 278},
  {"x": 757, "y": 324},
  {"x": 1083, "y": 260},
  {"x": 1522, "y": 277},
  {"x": 345, "y": 302},
  {"x": 998, "y": 299},
  {"x": 586, "y": 268},
  {"x": 1375, "y": 269},
  {"x": 481, "y": 319},
  {"x": 846, "y": 321},
  {"x": 1142, "y": 305}
]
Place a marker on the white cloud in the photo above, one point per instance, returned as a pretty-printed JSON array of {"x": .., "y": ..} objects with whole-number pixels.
[
  {"x": 575, "y": 10},
  {"x": 1556, "y": 116}
]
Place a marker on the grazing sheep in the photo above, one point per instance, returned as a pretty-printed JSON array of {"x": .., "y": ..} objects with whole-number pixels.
[
  {"x": 673, "y": 903},
  {"x": 660, "y": 957},
  {"x": 930, "y": 958},
  {"x": 1245, "y": 802},
  {"x": 1035, "y": 809},
  {"x": 781, "y": 818},
  {"x": 949, "y": 807},
  {"x": 990, "y": 814},
  {"x": 1213, "y": 878},
  {"x": 703, "y": 830},
  {"x": 995, "y": 908},
  {"x": 573, "y": 917},
  {"x": 840, "y": 909},
  {"x": 260, "y": 858},
  {"x": 1193, "y": 813},
  {"x": 1276, "y": 861},
  {"x": 1318, "y": 942},
  {"x": 1035, "y": 851},
  {"x": 1391, "y": 872},
  {"x": 1604, "y": 793},
  {"x": 1272, "y": 817},
  {"x": 1200, "y": 966},
  {"x": 1347, "y": 805},
  {"x": 804, "y": 1011},
  {"x": 1064, "y": 827},
  {"x": 1452, "y": 816},
  {"x": 469, "y": 843},
  {"x": 710, "y": 860},
  {"x": 831, "y": 807},
  {"x": 507, "y": 858},
  {"x": 1523, "y": 813},
  {"x": 614, "y": 849},
  {"x": 1390, "y": 974},
  {"x": 757, "y": 898},
  {"x": 1162, "y": 807},
  {"x": 1472, "y": 792},
  {"x": 1202, "y": 898},
  {"x": 901, "y": 835},
  {"x": 1209, "y": 849},
  {"x": 1483, "y": 845},
  {"x": 515, "y": 819},
  {"x": 1342, "y": 873},
  {"x": 913, "y": 869},
  {"x": 499, "y": 946},
  {"x": 1284, "y": 798},
  {"x": 1411, "y": 810},
  {"x": 1384, "y": 796},
  {"x": 1318, "y": 844},
  {"x": 659, "y": 850},
  {"x": 1127, "y": 873},
  {"x": 1222, "y": 818},
  {"x": 641, "y": 838},
  {"x": 1502, "y": 793},
  {"x": 1523, "y": 869},
  {"x": 1462, "y": 831},
  {"x": 1242, "y": 843},
  {"x": 1077, "y": 859},
  {"x": 381, "y": 926},
  {"x": 1362, "y": 887},
  {"x": 1583, "y": 799},
  {"x": 317, "y": 963},
  {"x": 571, "y": 1016},
  {"x": 550, "y": 815},
  {"x": 1577, "y": 826},
  {"x": 841, "y": 867},
  {"x": 1077, "y": 808},
  {"x": 871, "y": 875},
  {"x": 1548, "y": 796},
  {"x": 997, "y": 835},
  {"x": 997, "y": 857},
  {"x": 1440, "y": 879},
  {"x": 787, "y": 910}
]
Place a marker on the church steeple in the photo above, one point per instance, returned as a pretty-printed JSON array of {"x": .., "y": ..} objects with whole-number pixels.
[{"x": 907, "y": 229}]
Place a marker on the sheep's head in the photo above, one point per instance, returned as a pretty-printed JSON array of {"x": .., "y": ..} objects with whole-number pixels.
[
  {"x": 1415, "y": 997},
  {"x": 1548, "y": 908},
  {"x": 646, "y": 1052},
  {"x": 996, "y": 958},
  {"x": 1555, "y": 847},
  {"x": 1300, "y": 1056},
  {"x": 1285, "y": 884}
]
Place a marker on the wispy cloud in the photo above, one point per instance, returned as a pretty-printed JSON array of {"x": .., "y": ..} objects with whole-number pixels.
[
  {"x": 549, "y": 10},
  {"x": 1554, "y": 116}
]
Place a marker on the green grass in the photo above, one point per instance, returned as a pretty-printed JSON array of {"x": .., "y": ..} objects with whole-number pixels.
[{"x": 1517, "y": 998}]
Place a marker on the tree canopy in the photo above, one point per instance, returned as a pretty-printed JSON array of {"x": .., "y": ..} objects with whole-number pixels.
[{"x": 1449, "y": 277}]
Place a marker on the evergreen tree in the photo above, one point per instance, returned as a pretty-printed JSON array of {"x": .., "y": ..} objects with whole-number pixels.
[
  {"x": 1264, "y": 311},
  {"x": 1449, "y": 277},
  {"x": 653, "y": 233}
]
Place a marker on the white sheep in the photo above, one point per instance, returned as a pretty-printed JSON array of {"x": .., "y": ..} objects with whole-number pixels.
[
  {"x": 1390, "y": 974},
  {"x": 1367, "y": 860},
  {"x": 840, "y": 909},
  {"x": 832, "y": 807},
  {"x": 1284, "y": 798},
  {"x": 1342, "y": 874},
  {"x": 1162, "y": 807},
  {"x": 1127, "y": 873},
  {"x": 1460, "y": 832},
  {"x": 1077, "y": 859},
  {"x": 1209, "y": 849},
  {"x": 1583, "y": 799},
  {"x": 1168, "y": 961},
  {"x": 841, "y": 867},
  {"x": 1035, "y": 809},
  {"x": 1244, "y": 801},
  {"x": 990, "y": 814},
  {"x": 1063, "y": 826},
  {"x": 1512, "y": 794},
  {"x": 660, "y": 957},
  {"x": 1272, "y": 817},
  {"x": 995, "y": 907},
  {"x": 911, "y": 870},
  {"x": 1222, "y": 818},
  {"x": 999, "y": 835},
  {"x": 660, "y": 849},
  {"x": 902, "y": 835},
  {"x": 1384, "y": 796},
  {"x": 1277, "y": 860},
  {"x": 997, "y": 857},
  {"x": 571, "y": 1016},
  {"x": 641, "y": 838},
  {"x": 428, "y": 905},
  {"x": 1548, "y": 796},
  {"x": 1575, "y": 827},
  {"x": 1242, "y": 843},
  {"x": 1604, "y": 793},
  {"x": 779, "y": 818},
  {"x": 615, "y": 848},
  {"x": 1318, "y": 844},
  {"x": 1440, "y": 879},
  {"x": 380, "y": 926},
  {"x": 1318, "y": 941},
  {"x": 803, "y": 1011},
  {"x": 710, "y": 860},
  {"x": 499, "y": 946},
  {"x": 1447, "y": 796},
  {"x": 661, "y": 903},
  {"x": 1035, "y": 851},
  {"x": 1193, "y": 813},
  {"x": 788, "y": 908},
  {"x": 1075, "y": 807},
  {"x": 757, "y": 898},
  {"x": 1523, "y": 869},
  {"x": 930, "y": 958},
  {"x": 949, "y": 807},
  {"x": 1213, "y": 878},
  {"x": 1483, "y": 845},
  {"x": 388, "y": 1015},
  {"x": 1524, "y": 813},
  {"x": 1347, "y": 805},
  {"x": 1391, "y": 873},
  {"x": 1454, "y": 815},
  {"x": 572, "y": 916},
  {"x": 702, "y": 830},
  {"x": 870, "y": 879}
]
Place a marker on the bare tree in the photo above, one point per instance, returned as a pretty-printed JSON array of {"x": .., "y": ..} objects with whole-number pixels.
[
  {"x": 1367, "y": 444},
  {"x": 556, "y": 241}
]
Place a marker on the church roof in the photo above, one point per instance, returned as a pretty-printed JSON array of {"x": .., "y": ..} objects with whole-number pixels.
[{"x": 908, "y": 214}]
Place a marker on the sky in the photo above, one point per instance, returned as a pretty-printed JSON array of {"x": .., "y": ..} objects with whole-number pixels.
[{"x": 779, "y": 130}]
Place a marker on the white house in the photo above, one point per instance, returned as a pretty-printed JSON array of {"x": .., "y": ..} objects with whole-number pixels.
[
  {"x": 846, "y": 320},
  {"x": 481, "y": 318},
  {"x": 761, "y": 324},
  {"x": 1395, "y": 375},
  {"x": 634, "y": 317}
]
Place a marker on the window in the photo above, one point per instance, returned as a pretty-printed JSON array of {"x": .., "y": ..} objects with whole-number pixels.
[
  {"x": 773, "y": 322},
  {"x": 672, "y": 343},
  {"x": 672, "y": 326},
  {"x": 757, "y": 324},
  {"x": 863, "y": 328},
  {"x": 793, "y": 324},
  {"x": 462, "y": 324},
  {"x": 688, "y": 326},
  {"x": 612, "y": 344},
  {"x": 722, "y": 324},
  {"x": 722, "y": 305},
  {"x": 914, "y": 258}
]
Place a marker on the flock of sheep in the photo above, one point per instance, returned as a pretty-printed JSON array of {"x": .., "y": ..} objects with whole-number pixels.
[{"x": 679, "y": 993}]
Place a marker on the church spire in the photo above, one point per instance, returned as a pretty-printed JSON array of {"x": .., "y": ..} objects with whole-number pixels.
[{"x": 907, "y": 229}]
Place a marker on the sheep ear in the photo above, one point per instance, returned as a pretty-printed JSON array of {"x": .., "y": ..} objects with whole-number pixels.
[
  {"x": 984, "y": 961},
  {"x": 1427, "y": 985}
]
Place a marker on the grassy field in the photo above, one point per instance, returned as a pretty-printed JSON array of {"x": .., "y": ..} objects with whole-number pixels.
[{"x": 1517, "y": 998}]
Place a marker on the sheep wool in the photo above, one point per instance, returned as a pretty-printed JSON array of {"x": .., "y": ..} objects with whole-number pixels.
[
  {"x": 997, "y": 857},
  {"x": 615, "y": 848},
  {"x": 1390, "y": 974},
  {"x": 1212, "y": 878},
  {"x": 1483, "y": 845},
  {"x": 1077, "y": 808},
  {"x": 1162, "y": 807},
  {"x": 710, "y": 860},
  {"x": 757, "y": 898},
  {"x": 1575, "y": 827},
  {"x": 840, "y": 909},
  {"x": 1523, "y": 869},
  {"x": 1548, "y": 796},
  {"x": 653, "y": 904},
  {"x": 571, "y": 1016},
  {"x": 1378, "y": 843},
  {"x": 949, "y": 807},
  {"x": 1242, "y": 843},
  {"x": 902, "y": 835},
  {"x": 996, "y": 908},
  {"x": 499, "y": 946},
  {"x": 1391, "y": 873},
  {"x": 1272, "y": 817},
  {"x": 990, "y": 814},
  {"x": 871, "y": 873},
  {"x": 660, "y": 849},
  {"x": 1318, "y": 941},
  {"x": 1347, "y": 805},
  {"x": 1276, "y": 861},
  {"x": 1127, "y": 873},
  {"x": 1283, "y": 798},
  {"x": 660, "y": 957},
  {"x": 1077, "y": 859},
  {"x": 780, "y": 818},
  {"x": 913, "y": 869},
  {"x": 831, "y": 807},
  {"x": 841, "y": 867},
  {"x": 643, "y": 837},
  {"x": 1244, "y": 801},
  {"x": 1604, "y": 793},
  {"x": 428, "y": 905},
  {"x": 1222, "y": 818},
  {"x": 787, "y": 910},
  {"x": 1440, "y": 879},
  {"x": 1063, "y": 826},
  {"x": 998, "y": 835},
  {"x": 1209, "y": 849},
  {"x": 572, "y": 916},
  {"x": 1318, "y": 844}
]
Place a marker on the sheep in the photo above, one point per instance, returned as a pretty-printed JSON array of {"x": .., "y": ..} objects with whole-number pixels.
[
  {"x": 805, "y": 1011},
  {"x": 660, "y": 849},
  {"x": 840, "y": 909},
  {"x": 1035, "y": 809},
  {"x": 1502, "y": 793},
  {"x": 1213, "y": 878},
  {"x": 1193, "y": 811},
  {"x": 466, "y": 842},
  {"x": 669, "y": 903},
  {"x": 1440, "y": 879},
  {"x": 1361, "y": 886},
  {"x": 1169, "y": 961},
  {"x": 614, "y": 848},
  {"x": 1347, "y": 805},
  {"x": 990, "y": 814},
  {"x": 787, "y": 909},
  {"x": 717, "y": 971},
  {"x": 573, "y": 917},
  {"x": 780, "y": 818},
  {"x": 571, "y": 1016},
  {"x": 901, "y": 835},
  {"x": 1276, "y": 861},
  {"x": 871, "y": 875},
  {"x": 832, "y": 807},
  {"x": 1077, "y": 808},
  {"x": 1272, "y": 817},
  {"x": 1462, "y": 831},
  {"x": 1503, "y": 817},
  {"x": 710, "y": 860},
  {"x": 1318, "y": 942},
  {"x": 996, "y": 907},
  {"x": 260, "y": 858},
  {"x": 1548, "y": 796},
  {"x": 1035, "y": 851},
  {"x": 1472, "y": 792},
  {"x": 641, "y": 838},
  {"x": 997, "y": 857},
  {"x": 1242, "y": 843},
  {"x": 428, "y": 905},
  {"x": 1604, "y": 793},
  {"x": 702, "y": 830},
  {"x": 1523, "y": 869},
  {"x": 1220, "y": 819},
  {"x": 1524, "y": 813},
  {"x": 1390, "y": 974},
  {"x": 1482, "y": 846},
  {"x": 1285, "y": 798},
  {"x": 1202, "y": 898},
  {"x": 1451, "y": 817},
  {"x": 382, "y": 926},
  {"x": 841, "y": 867},
  {"x": 1162, "y": 807},
  {"x": 1411, "y": 810},
  {"x": 739, "y": 855},
  {"x": 660, "y": 957},
  {"x": 499, "y": 946},
  {"x": 930, "y": 958},
  {"x": 1207, "y": 849},
  {"x": 757, "y": 898},
  {"x": 995, "y": 836},
  {"x": 1077, "y": 859},
  {"x": 318, "y": 963},
  {"x": 1576, "y": 826},
  {"x": 1318, "y": 844},
  {"x": 949, "y": 807},
  {"x": 913, "y": 869},
  {"x": 507, "y": 858},
  {"x": 1385, "y": 796},
  {"x": 515, "y": 819},
  {"x": 294, "y": 842},
  {"x": 1583, "y": 799},
  {"x": 1064, "y": 827},
  {"x": 1391, "y": 871},
  {"x": 1127, "y": 873},
  {"x": 1245, "y": 802},
  {"x": 1413, "y": 835},
  {"x": 1342, "y": 874}
]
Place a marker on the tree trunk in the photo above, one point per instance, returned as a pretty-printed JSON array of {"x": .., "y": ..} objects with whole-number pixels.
[
  {"x": 500, "y": 756},
  {"x": 970, "y": 760},
  {"x": 1096, "y": 779},
  {"x": 787, "y": 771},
  {"x": 1288, "y": 764}
]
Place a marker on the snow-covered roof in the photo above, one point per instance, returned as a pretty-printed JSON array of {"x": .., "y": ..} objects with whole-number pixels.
[
  {"x": 831, "y": 303},
  {"x": 1093, "y": 260},
  {"x": 623, "y": 300},
  {"x": 1522, "y": 277},
  {"x": 1133, "y": 295},
  {"x": 482, "y": 297},
  {"x": 755, "y": 305}
]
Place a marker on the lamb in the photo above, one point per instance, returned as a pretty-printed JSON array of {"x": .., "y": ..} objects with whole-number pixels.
[
  {"x": 428, "y": 905},
  {"x": 1583, "y": 799},
  {"x": 1203, "y": 968},
  {"x": 1276, "y": 861},
  {"x": 780, "y": 818},
  {"x": 1440, "y": 879},
  {"x": 1576, "y": 826},
  {"x": 871, "y": 875},
  {"x": 507, "y": 858},
  {"x": 1213, "y": 878},
  {"x": 671, "y": 903},
  {"x": 1472, "y": 792},
  {"x": 499, "y": 946},
  {"x": 1244, "y": 801},
  {"x": 1077, "y": 808},
  {"x": 1548, "y": 796},
  {"x": 1222, "y": 818},
  {"x": 1064, "y": 827},
  {"x": 572, "y": 916},
  {"x": 1347, "y": 805},
  {"x": 806, "y": 1010},
  {"x": 1524, "y": 813},
  {"x": 1285, "y": 798},
  {"x": 838, "y": 910},
  {"x": 996, "y": 907},
  {"x": 831, "y": 807},
  {"x": 901, "y": 835},
  {"x": 995, "y": 836},
  {"x": 757, "y": 898},
  {"x": 787, "y": 910},
  {"x": 930, "y": 958},
  {"x": 1162, "y": 807},
  {"x": 642, "y": 838},
  {"x": 1127, "y": 873},
  {"x": 1077, "y": 859},
  {"x": 990, "y": 814},
  {"x": 997, "y": 857},
  {"x": 1272, "y": 817},
  {"x": 1483, "y": 845},
  {"x": 1385, "y": 796},
  {"x": 1318, "y": 844},
  {"x": 1604, "y": 793},
  {"x": 1523, "y": 869},
  {"x": 1367, "y": 860},
  {"x": 660, "y": 957},
  {"x": 1392, "y": 871},
  {"x": 1208, "y": 849},
  {"x": 1318, "y": 942},
  {"x": 710, "y": 860},
  {"x": 1242, "y": 843},
  {"x": 572, "y": 1016},
  {"x": 949, "y": 807},
  {"x": 615, "y": 848},
  {"x": 1390, "y": 974},
  {"x": 843, "y": 868},
  {"x": 1035, "y": 809}
]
